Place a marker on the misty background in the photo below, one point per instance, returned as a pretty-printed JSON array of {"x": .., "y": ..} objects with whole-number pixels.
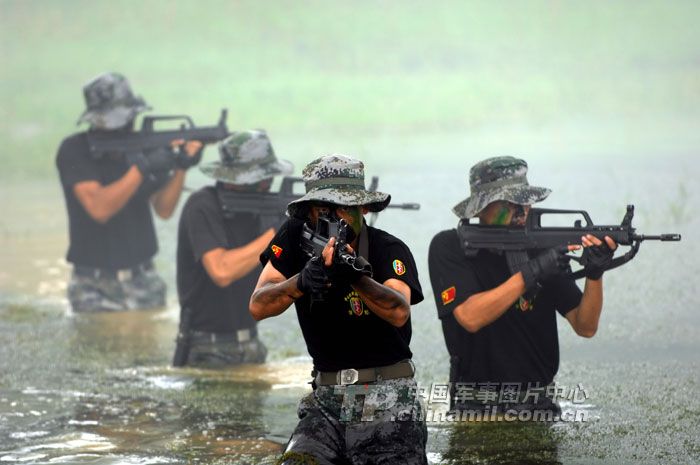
[{"x": 601, "y": 98}]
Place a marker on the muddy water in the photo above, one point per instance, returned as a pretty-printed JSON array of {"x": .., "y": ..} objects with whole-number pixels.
[{"x": 98, "y": 389}]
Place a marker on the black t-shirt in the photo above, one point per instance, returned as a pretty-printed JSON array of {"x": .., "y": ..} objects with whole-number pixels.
[
  {"x": 342, "y": 332},
  {"x": 203, "y": 228},
  {"x": 126, "y": 239},
  {"x": 521, "y": 346}
]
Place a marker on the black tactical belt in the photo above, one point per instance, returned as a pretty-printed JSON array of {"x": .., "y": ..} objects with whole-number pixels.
[
  {"x": 203, "y": 337},
  {"x": 126, "y": 273},
  {"x": 402, "y": 369}
]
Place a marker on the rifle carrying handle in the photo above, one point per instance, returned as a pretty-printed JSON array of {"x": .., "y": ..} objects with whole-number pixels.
[{"x": 147, "y": 123}]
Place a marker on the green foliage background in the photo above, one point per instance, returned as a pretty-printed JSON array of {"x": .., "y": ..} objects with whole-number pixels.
[{"x": 381, "y": 80}]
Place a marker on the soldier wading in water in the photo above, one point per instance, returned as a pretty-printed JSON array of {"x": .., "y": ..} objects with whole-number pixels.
[{"x": 357, "y": 327}]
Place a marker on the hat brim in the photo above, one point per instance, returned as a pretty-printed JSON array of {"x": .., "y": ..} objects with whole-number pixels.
[
  {"x": 246, "y": 175},
  {"x": 112, "y": 118},
  {"x": 521, "y": 195},
  {"x": 373, "y": 200}
]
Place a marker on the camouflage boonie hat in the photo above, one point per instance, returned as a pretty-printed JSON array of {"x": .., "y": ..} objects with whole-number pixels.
[
  {"x": 110, "y": 102},
  {"x": 340, "y": 180},
  {"x": 499, "y": 178},
  {"x": 246, "y": 158}
]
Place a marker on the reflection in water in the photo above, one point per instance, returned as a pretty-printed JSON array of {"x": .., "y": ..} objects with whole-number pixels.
[
  {"x": 502, "y": 443},
  {"x": 126, "y": 338}
]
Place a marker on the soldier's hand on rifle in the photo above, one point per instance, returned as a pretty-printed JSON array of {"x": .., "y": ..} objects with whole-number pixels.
[
  {"x": 138, "y": 159},
  {"x": 341, "y": 272},
  {"x": 336, "y": 272},
  {"x": 312, "y": 278},
  {"x": 156, "y": 163},
  {"x": 549, "y": 264},
  {"x": 187, "y": 153},
  {"x": 597, "y": 255}
]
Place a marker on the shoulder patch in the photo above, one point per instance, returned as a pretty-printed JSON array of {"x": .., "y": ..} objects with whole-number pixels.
[
  {"x": 277, "y": 250},
  {"x": 399, "y": 267},
  {"x": 524, "y": 304},
  {"x": 448, "y": 295}
]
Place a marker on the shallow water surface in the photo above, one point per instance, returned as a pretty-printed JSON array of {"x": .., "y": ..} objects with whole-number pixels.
[{"x": 98, "y": 389}]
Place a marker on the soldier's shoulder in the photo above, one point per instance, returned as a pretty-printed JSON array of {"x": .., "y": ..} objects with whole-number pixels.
[
  {"x": 446, "y": 235},
  {"x": 205, "y": 192},
  {"x": 72, "y": 149},
  {"x": 383, "y": 238},
  {"x": 77, "y": 139},
  {"x": 203, "y": 197},
  {"x": 76, "y": 135},
  {"x": 446, "y": 238}
]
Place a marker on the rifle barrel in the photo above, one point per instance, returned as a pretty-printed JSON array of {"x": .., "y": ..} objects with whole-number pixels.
[
  {"x": 405, "y": 206},
  {"x": 670, "y": 237}
]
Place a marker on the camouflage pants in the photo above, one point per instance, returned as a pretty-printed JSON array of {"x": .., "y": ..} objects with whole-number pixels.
[
  {"x": 224, "y": 354},
  {"x": 378, "y": 423},
  {"x": 141, "y": 290}
]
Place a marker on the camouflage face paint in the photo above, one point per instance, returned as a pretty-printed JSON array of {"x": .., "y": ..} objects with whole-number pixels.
[
  {"x": 504, "y": 213},
  {"x": 502, "y": 217},
  {"x": 353, "y": 217}
]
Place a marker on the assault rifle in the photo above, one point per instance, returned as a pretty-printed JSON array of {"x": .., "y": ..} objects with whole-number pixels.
[
  {"x": 314, "y": 241},
  {"x": 147, "y": 138},
  {"x": 374, "y": 183},
  {"x": 516, "y": 241},
  {"x": 272, "y": 206}
]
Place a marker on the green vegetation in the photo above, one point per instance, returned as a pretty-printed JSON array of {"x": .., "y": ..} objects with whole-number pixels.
[{"x": 536, "y": 77}]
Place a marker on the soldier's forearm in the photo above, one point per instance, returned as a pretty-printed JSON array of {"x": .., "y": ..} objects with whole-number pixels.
[
  {"x": 165, "y": 200},
  {"x": 590, "y": 308},
  {"x": 272, "y": 299},
  {"x": 386, "y": 303},
  {"x": 485, "y": 307},
  {"x": 103, "y": 202}
]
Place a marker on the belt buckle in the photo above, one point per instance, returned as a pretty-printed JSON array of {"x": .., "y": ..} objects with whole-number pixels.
[
  {"x": 124, "y": 275},
  {"x": 348, "y": 376},
  {"x": 243, "y": 335}
]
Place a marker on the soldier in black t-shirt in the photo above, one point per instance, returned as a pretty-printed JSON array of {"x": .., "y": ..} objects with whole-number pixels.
[
  {"x": 500, "y": 328},
  {"x": 218, "y": 257},
  {"x": 109, "y": 199},
  {"x": 357, "y": 327}
]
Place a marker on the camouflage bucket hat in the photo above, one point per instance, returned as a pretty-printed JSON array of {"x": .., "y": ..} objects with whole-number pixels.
[
  {"x": 499, "y": 178},
  {"x": 246, "y": 157},
  {"x": 110, "y": 102},
  {"x": 340, "y": 180}
]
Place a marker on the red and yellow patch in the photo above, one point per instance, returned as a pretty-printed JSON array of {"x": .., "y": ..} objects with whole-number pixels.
[
  {"x": 357, "y": 306},
  {"x": 277, "y": 250},
  {"x": 448, "y": 295},
  {"x": 399, "y": 267},
  {"x": 524, "y": 305}
]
